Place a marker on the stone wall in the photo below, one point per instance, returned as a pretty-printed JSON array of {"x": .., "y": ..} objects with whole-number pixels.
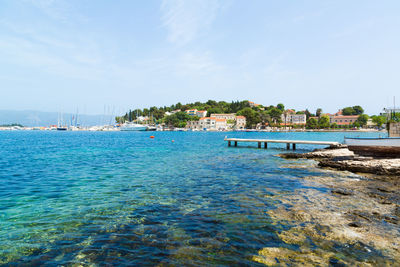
[{"x": 394, "y": 129}]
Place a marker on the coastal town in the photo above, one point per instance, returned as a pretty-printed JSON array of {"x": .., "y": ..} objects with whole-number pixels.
[{"x": 235, "y": 116}]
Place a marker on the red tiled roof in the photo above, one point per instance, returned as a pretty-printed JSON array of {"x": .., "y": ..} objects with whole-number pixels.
[{"x": 346, "y": 117}]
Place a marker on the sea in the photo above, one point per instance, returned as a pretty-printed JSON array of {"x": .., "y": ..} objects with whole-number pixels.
[{"x": 123, "y": 198}]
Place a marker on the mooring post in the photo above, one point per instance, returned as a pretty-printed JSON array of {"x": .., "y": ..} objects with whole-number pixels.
[
  {"x": 287, "y": 146},
  {"x": 265, "y": 145},
  {"x": 235, "y": 143},
  {"x": 229, "y": 143},
  {"x": 259, "y": 144},
  {"x": 294, "y": 146}
]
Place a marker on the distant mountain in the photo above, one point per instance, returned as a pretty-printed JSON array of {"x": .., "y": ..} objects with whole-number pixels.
[{"x": 40, "y": 118}]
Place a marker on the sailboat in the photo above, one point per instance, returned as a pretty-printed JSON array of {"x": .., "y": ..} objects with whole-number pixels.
[{"x": 60, "y": 127}]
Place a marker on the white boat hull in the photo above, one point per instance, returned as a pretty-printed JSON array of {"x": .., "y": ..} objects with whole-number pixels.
[{"x": 133, "y": 127}]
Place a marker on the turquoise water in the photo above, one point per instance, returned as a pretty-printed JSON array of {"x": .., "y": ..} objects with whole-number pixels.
[{"x": 122, "y": 198}]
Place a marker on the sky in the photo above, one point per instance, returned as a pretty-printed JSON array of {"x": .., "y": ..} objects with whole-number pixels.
[{"x": 97, "y": 56}]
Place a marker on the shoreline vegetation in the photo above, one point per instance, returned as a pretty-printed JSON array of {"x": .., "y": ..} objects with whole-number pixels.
[{"x": 258, "y": 116}]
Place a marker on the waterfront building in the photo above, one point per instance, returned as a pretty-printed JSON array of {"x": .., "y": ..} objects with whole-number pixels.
[
  {"x": 240, "y": 122},
  {"x": 289, "y": 117},
  {"x": 193, "y": 125},
  {"x": 208, "y": 123},
  {"x": 221, "y": 125},
  {"x": 343, "y": 120},
  {"x": 233, "y": 121},
  {"x": 228, "y": 116},
  {"x": 218, "y": 122}
]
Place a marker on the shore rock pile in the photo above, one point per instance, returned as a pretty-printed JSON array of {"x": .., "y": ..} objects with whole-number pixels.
[{"x": 344, "y": 159}]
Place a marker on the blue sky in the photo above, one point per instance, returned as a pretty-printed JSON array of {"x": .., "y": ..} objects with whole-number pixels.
[{"x": 63, "y": 55}]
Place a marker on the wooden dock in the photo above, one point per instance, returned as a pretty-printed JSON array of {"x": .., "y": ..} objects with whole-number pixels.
[{"x": 287, "y": 142}]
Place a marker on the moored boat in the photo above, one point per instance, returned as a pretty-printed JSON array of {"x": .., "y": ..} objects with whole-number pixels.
[
  {"x": 129, "y": 126},
  {"x": 374, "y": 147}
]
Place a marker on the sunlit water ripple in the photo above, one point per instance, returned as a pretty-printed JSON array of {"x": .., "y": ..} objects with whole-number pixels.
[{"x": 123, "y": 198}]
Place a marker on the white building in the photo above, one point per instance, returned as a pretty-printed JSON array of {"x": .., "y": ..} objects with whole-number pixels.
[
  {"x": 208, "y": 123},
  {"x": 167, "y": 113},
  {"x": 291, "y": 118},
  {"x": 233, "y": 121},
  {"x": 198, "y": 113},
  {"x": 218, "y": 122},
  {"x": 240, "y": 122}
]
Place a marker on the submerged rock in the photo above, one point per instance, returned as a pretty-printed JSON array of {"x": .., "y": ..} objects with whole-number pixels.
[
  {"x": 355, "y": 224},
  {"x": 272, "y": 256},
  {"x": 340, "y": 191}
]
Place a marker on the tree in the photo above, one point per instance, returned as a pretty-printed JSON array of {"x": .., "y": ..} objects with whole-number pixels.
[
  {"x": 265, "y": 117},
  {"x": 363, "y": 119},
  {"x": 280, "y": 106},
  {"x": 308, "y": 114},
  {"x": 358, "y": 110},
  {"x": 252, "y": 117},
  {"x": 312, "y": 123},
  {"x": 347, "y": 111},
  {"x": 215, "y": 110},
  {"x": 178, "y": 105},
  {"x": 323, "y": 122},
  {"x": 179, "y": 119},
  {"x": 275, "y": 114},
  {"x": 172, "y": 120},
  {"x": 318, "y": 112},
  {"x": 379, "y": 120}
]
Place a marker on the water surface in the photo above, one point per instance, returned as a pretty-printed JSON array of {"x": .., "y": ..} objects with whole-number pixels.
[{"x": 123, "y": 198}]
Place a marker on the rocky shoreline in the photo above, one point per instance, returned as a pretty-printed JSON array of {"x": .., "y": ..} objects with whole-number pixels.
[
  {"x": 345, "y": 160},
  {"x": 357, "y": 213}
]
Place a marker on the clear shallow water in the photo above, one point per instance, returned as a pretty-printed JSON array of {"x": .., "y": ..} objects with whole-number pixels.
[{"x": 123, "y": 198}]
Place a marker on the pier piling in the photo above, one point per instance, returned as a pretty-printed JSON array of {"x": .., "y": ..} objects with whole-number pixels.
[{"x": 287, "y": 142}]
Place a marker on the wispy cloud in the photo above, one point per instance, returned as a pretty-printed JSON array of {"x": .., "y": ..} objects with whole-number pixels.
[
  {"x": 186, "y": 20},
  {"x": 197, "y": 64},
  {"x": 56, "y": 9}
]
